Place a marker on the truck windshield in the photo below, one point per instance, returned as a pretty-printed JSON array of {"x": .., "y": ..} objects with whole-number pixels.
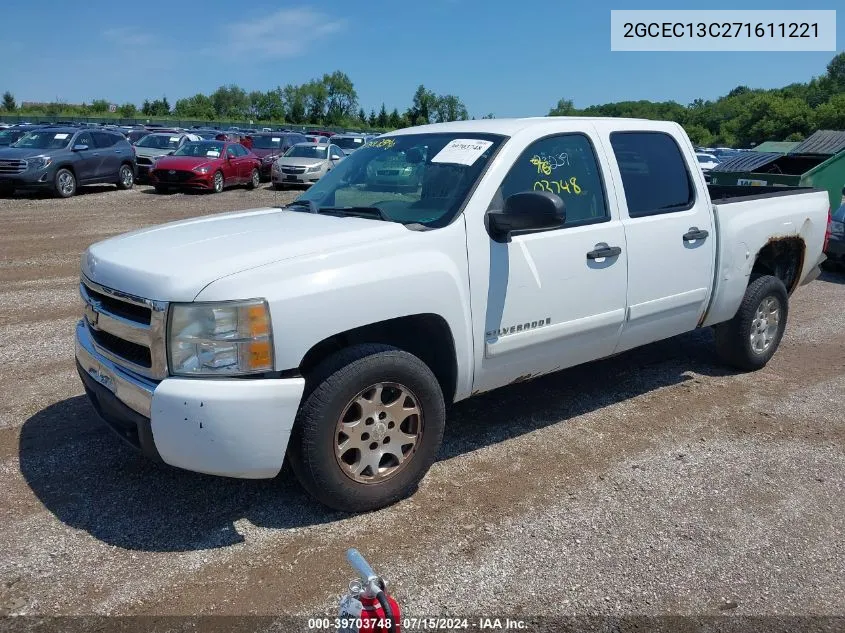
[
  {"x": 410, "y": 178},
  {"x": 44, "y": 140}
]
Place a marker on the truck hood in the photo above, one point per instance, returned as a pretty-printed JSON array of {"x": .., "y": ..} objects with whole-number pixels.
[{"x": 174, "y": 262}]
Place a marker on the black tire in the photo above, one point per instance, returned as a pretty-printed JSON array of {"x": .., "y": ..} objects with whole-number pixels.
[
  {"x": 64, "y": 183},
  {"x": 161, "y": 189},
  {"x": 217, "y": 183},
  {"x": 125, "y": 177},
  {"x": 733, "y": 338},
  {"x": 254, "y": 180},
  {"x": 329, "y": 390}
]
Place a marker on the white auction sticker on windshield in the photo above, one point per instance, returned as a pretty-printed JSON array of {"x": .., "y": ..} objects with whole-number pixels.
[
  {"x": 173, "y": 139},
  {"x": 275, "y": 139},
  {"x": 213, "y": 153},
  {"x": 61, "y": 136},
  {"x": 462, "y": 151}
]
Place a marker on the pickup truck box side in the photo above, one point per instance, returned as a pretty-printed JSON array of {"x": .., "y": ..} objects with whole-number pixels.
[
  {"x": 759, "y": 246},
  {"x": 379, "y": 314}
]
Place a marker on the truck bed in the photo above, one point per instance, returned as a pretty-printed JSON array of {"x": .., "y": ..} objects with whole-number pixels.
[
  {"x": 750, "y": 219},
  {"x": 727, "y": 194}
]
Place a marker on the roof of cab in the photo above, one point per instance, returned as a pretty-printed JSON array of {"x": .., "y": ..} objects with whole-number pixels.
[{"x": 509, "y": 127}]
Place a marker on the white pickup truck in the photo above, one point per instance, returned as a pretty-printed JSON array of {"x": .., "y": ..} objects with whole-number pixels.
[{"x": 334, "y": 331}]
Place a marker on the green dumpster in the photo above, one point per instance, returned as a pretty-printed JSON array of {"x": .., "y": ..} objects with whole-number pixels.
[
  {"x": 776, "y": 146},
  {"x": 816, "y": 162}
]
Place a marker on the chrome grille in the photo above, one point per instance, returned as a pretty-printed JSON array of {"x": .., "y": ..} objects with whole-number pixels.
[
  {"x": 127, "y": 330},
  {"x": 293, "y": 170},
  {"x": 12, "y": 166},
  {"x": 143, "y": 160}
]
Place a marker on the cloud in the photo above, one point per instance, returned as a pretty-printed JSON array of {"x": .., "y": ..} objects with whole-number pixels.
[
  {"x": 128, "y": 37},
  {"x": 285, "y": 33}
]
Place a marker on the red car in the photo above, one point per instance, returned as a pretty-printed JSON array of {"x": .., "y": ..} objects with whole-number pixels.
[{"x": 209, "y": 165}]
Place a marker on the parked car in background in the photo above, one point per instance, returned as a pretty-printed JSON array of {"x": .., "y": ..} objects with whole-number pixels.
[
  {"x": 65, "y": 158},
  {"x": 305, "y": 164},
  {"x": 12, "y": 134},
  {"x": 210, "y": 165},
  {"x": 350, "y": 142},
  {"x": 136, "y": 135},
  {"x": 206, "y": 135},
  {"x": 154, "y": 146},
  {"x": 706, "y": 162},
  {"x": 397, "y": 170},
  {"x": 316, "y": 138},
  {"x": 271, "y": 146},
  {"x": 325, "y": 133}
]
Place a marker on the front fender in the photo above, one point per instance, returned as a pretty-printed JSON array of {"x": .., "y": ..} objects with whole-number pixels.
[{"x": 314, "y": 297}]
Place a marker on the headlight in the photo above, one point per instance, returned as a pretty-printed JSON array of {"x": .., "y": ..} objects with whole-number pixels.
[
  {"x": 314, "y": 168},
  {"x": 277, "y": 166},
  {"x": 269, "y": 159},
  {"x": 220, "y": 339},
  {"x": 39, "y": 162},
  {"x": 202, "y": 170}
]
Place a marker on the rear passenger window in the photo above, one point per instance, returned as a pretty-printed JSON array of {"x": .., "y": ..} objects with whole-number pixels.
[
  {"x": 654, "y": 173},
  {"x": 104, "y": 139},
  {"x": 566, "y": 166}
]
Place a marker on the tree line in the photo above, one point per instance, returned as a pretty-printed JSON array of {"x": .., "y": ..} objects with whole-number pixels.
[
  {"x": 743, "y": 117},
  {"x": 330, "y": 100}
]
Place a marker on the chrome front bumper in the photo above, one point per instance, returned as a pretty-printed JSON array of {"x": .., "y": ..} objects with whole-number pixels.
[{"x": 136, "y": 392}]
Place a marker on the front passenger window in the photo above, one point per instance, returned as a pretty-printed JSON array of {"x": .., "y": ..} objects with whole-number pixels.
[
  {"x": 566, "y": 166},
  {"x": 85, "y": 139}
]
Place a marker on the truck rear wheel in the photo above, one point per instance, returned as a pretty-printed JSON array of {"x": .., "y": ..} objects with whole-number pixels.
[
  {"x": 751, "y": 338},
  {"x": 369, "y": 428}
]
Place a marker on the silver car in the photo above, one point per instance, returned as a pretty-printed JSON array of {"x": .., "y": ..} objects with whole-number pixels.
[
  {"x": 305, "y": 164},
  {"x": 350, "y": 142},
  {"x": 153, "y": 146}
]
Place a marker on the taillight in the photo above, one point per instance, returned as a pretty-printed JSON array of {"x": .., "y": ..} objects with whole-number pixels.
[{"x": 829, "y": 230}]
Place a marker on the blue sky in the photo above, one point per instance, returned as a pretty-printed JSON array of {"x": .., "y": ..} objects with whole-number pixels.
[{"x": 502, "y": 56}]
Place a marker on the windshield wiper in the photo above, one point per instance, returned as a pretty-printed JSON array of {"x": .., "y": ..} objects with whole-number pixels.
[
  {"x": 310, "y": 205},
  {"x": 359, "y": 212}
]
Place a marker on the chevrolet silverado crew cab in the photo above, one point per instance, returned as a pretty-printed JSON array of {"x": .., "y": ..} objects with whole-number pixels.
[{"x": 333, "y": 332}]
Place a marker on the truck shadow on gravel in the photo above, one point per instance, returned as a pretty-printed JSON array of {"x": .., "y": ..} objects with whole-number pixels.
[{"x": 89, "y": 480}]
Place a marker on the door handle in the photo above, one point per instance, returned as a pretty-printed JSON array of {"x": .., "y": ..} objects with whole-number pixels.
[
  {"x": 603, "y": 250},
  {"x": 695, "y": 233}
]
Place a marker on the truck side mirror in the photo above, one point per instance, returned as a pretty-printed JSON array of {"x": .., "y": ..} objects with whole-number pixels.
[{"x": 526, "y": 212}]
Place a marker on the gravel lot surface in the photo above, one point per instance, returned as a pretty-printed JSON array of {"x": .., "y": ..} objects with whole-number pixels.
[{"x": 656, "y": 482}]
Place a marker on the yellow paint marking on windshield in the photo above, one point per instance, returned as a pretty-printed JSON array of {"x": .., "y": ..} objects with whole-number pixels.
[
  {"x": 543, "y": 166},
  {"x": 384, "y": 143},
  {"x": 556, "y": 186}
]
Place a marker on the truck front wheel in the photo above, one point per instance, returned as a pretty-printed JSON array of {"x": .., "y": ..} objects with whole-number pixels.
[
  {"x": 369, "y": 428},
  {"x": 751, "y": 338}
]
